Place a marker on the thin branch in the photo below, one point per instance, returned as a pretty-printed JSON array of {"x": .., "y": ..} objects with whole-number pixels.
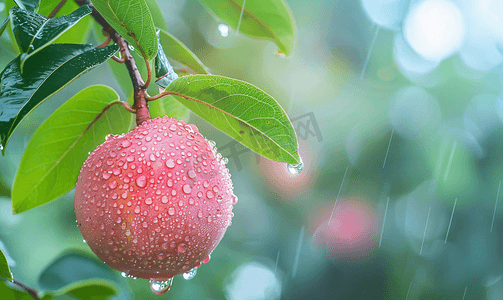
[
  {"x": 56, "y": 9},
  {"x": 158, "y": 96},
  {"x": 149, "y": 72},
  {"x": 29, "y": 290},
  {"x": 119, "y": 60},
  {"x": 105, "y": 43},
  {"x": 140, "y": 103}
]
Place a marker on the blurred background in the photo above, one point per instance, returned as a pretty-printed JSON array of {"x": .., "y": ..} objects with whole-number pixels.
[{"x": 398, "y": 109}]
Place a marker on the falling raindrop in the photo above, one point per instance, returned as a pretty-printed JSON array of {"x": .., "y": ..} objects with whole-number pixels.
[
  {"x": 295, "y": 169},
  {"x": 224, "y": 30},
  {"x": 190, "y": 274},
  {"x": 160, "y": 287}
]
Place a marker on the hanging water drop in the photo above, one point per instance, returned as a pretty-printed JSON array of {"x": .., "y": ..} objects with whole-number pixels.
[
  {"x": 224, "y": 30},
  {"x": 124, "y": 274},
  {"x": 190, "y": 274},
  {"x": 206, "y": 260},
  {"x": 131, "y": 47},
  {"x": 295, "y": 169},
  {"x": 160, "y": 287}
]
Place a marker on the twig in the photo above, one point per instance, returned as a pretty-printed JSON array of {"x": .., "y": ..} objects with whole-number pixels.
[
  {"x": 158, "y": 96},
  {"x": 56, "y": 9},
  {"x": 105, "y": 43},
  {"x": 140, "y": 103},
  {"x": 29, "y": 290},
  {"x": 119, "y": 60}
]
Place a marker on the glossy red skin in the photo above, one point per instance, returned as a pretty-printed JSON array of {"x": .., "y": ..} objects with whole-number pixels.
[{"x": 148, "y": 213}]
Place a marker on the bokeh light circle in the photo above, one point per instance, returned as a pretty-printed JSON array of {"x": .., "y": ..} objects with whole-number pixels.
[
  {"x": 413, "y": 112},
  {"x": 386, "y": 13},
  {"x": 347, "y": 233},
  {"x": 435, "y": 29}
]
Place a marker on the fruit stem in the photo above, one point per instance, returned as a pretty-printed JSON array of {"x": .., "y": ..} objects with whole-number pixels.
[{"x": 139, "y": 87}]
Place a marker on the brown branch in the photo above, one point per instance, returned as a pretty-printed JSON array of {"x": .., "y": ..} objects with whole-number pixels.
[
  {"x": 29, "y": 290},
  {"x": 56, "y": 9},
  {"x": 119, "y": 60},
  {"x": 105, "y": 43},
  {"x": 158, "y": 96},
  {"x": 140, "y": 103}
]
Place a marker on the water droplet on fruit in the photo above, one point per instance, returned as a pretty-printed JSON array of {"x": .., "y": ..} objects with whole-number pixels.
[
  {"x": 190, "y": 274},
  {"x": 141, "y": 181},
  {"x": 171, "y": 211},
  {"x": 106, "y": 175},
  {"x": 187, "y": 189},
  {"x": 112, "y": 184},
  {"x": 192, "y": 174},
  {"x": 181, "y": 247},
  {"x": 126, "y": 143},
  {"x": 295, "y": 169},
  {"x": 225, "y": 160},
  {"x": 209, "y": 194},
  {"x": 160, "y": 287},
  {"x": 234, "y": 199},
  {"x": 170, "y": 163},
  {"x": 148, "y": 201},
  {"x": 152, "y": 157}
]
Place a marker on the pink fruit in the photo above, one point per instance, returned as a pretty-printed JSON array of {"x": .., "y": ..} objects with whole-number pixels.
[{"x": 154, "y": 202}]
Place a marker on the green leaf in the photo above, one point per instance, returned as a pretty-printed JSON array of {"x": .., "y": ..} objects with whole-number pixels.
[
  {"x": 241, "y": 110},
  {"x": 79, "y": 33},
  {"x": 4, "y": 267},
  {"x": 157, "y": 16},
  {"x": 168, "y": 106},
  {"x": 52, "y": 159},
  {"x": 4, "y": 25},
  {"x": 176, "y": 50},
  {"x": 46, "y": 73},
  {"x": 34, "y": 31},
  {"x": 74, "y": 266},
  {"x": 163, "y": 69},
  {"x": 91, "y": 289},
  {"x": 270, "y": 19},
  {"x": 133, "y": 20},
  {"x": 30, "y": 5}
]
